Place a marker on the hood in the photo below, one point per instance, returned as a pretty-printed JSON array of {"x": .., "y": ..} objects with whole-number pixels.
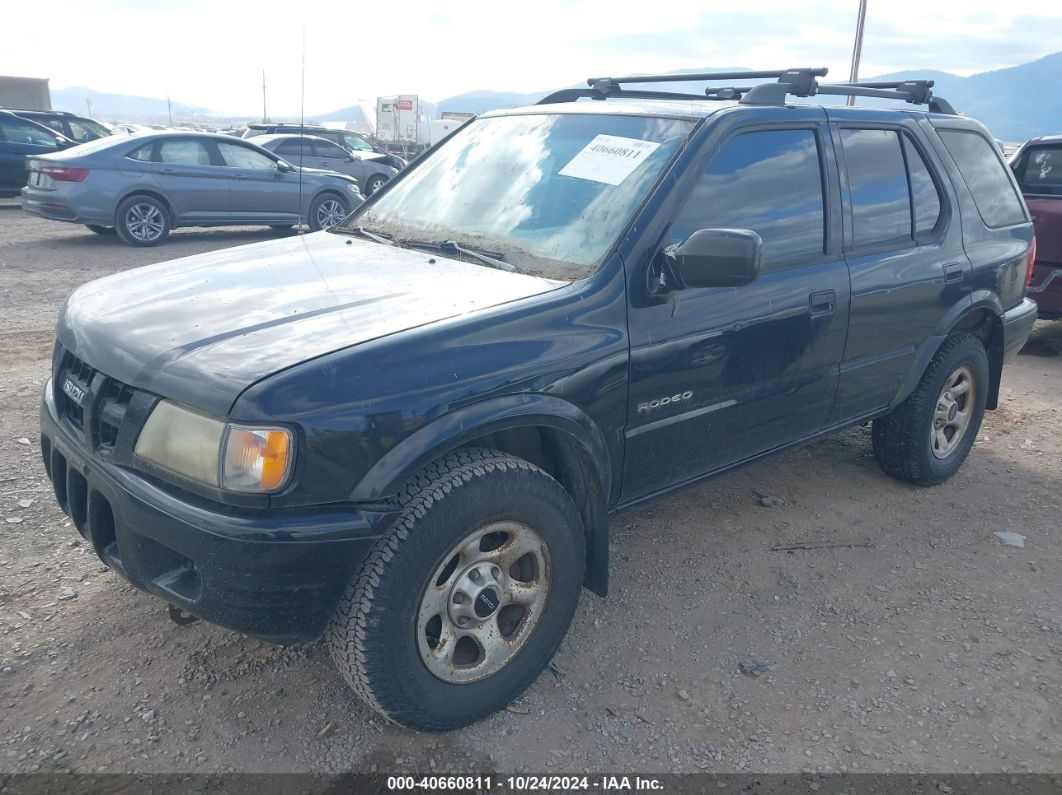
[{"x": 202, "y": 329}]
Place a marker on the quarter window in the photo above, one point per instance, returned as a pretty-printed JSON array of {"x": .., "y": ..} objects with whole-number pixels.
[
  {"x": 769, "y": 181},
  {"x": 986, "y": 177}
]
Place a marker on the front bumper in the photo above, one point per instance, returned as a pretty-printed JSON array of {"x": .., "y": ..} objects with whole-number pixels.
[
  {"x": 276, "y": 575},
  {"x": 1017, "y": 326}
]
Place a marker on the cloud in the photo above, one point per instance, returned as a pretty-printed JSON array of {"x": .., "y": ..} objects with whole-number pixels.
[{"x": 213, "y": 54}]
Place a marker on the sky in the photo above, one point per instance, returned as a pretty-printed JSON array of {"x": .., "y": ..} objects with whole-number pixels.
[{"x": 211, "y": 53}]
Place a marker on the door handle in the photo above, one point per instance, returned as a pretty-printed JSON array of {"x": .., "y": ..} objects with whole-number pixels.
[
  {"x": 822, "y": 303},
  {"x": 953, "y": 272}
]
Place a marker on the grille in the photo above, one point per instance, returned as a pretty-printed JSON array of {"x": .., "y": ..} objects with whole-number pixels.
[
  {"x": 79, "y": 371},
  {"x": 114, "y": 401},
  {"x": 110, "y": 401}
]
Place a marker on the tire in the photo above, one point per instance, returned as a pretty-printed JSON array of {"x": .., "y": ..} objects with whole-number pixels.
[
  {"x": 381, "y": 634},
  {"x": 153, "y": 217},
  {"x": 374, "y": 183},
  {"x": 101, "y": 230},
  {"x": 325, "y": 207},
  {"x": 907, "y": 444}
]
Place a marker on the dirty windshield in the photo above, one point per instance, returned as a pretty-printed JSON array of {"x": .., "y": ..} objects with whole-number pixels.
[{"x": 545, "y": 194}]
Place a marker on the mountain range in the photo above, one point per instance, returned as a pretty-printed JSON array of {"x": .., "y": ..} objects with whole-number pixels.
[{"x": 1015, "y": 103}]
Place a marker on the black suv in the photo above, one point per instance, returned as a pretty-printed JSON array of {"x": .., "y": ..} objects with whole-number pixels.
[
  {"x": 408, "y": 433},
  {"x": 355, "y": 142},
  {"x": 21, "y": 138},
  {"x": 76, "y": 128}
]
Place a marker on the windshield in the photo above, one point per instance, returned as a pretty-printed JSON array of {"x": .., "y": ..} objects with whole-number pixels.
[
  {"x": 357, "y": 143},
  {"x": 549, "y": 194}
]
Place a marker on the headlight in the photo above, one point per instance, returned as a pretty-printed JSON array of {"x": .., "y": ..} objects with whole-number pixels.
[{"x": 234, "y": 457}]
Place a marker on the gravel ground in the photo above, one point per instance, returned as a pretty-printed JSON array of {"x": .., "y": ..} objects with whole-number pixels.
[{"x": 905, "y": 637}]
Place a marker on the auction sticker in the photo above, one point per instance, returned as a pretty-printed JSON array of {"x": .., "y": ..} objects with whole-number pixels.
[{"x": 609, "y": 159}]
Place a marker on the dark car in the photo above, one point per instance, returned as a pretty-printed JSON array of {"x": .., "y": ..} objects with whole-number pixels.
[
  {"x": 1038, "y": 167},
  {"x": 408, "y": 433},
  {"x": 368, "y": 168},
  {"x": 76, "y": 128},
  {"x": 355, "y": 142},
  {"x": 19, "y": 139},
  {"x": 144, "y": 186}
]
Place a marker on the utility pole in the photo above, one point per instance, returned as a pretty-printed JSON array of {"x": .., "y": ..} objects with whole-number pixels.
[
  {"x": 88, "y": 104},
  {"x": 264, "y": 117},
  {"x": 169, "y": 109},
  {"x": 857, "y": 48}
]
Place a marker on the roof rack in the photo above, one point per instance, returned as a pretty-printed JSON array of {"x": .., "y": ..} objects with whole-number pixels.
[{"x": 790, "y": 82}]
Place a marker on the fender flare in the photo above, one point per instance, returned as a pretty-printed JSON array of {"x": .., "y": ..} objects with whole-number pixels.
[
  {"x": 458, "y": 427},
  {"x": 461, "y": 426},
  {"x": 975, "y": 302}
]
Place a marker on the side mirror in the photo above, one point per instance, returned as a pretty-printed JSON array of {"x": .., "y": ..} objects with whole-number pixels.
[
  {"x": 716, "y": 258},
  {"x": 284, "y": 168}
]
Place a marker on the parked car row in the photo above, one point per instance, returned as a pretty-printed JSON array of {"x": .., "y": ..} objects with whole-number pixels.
[{"x": 141, "y": 187}]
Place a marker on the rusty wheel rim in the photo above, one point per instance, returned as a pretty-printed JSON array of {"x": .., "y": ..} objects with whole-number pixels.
[
  {"x": 483, "y": 602},
  {"x": 953, "y": 412}
]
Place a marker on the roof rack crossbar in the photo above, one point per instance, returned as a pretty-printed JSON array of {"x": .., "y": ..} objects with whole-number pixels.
[
  {"x": 606, "y": 84},
  {"x": 572, "y": 94}
]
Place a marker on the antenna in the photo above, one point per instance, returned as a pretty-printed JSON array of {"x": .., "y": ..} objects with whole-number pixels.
[
  {"x": 302, "y": 122},
  {"x": 265, "y": 117}
]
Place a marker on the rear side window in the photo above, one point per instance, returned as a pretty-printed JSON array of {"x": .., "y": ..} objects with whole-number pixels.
[
  {"x": 1040, "y": 173},
  {"x": 184, "y": 152},
  {"x": 986, "y": 177},
  {"x": 877, "y": 180},
  {"x": 294, "y": 148},
  {"x": 768, "y": 181},
  {"x": 23, "y": 132}
]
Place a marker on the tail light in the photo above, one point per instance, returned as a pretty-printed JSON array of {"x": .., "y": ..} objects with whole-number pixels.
[
  {"x": 65, "y": 174},
  {"x": 1032, "y": 262}
]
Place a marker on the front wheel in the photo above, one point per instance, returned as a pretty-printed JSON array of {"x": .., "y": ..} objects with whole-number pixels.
[
  {"x": 466, "y": 600},
  {"x": 327, "y": 211},
  {"x": 927, "y": 437},
  {"x": 374, "y": 183}
]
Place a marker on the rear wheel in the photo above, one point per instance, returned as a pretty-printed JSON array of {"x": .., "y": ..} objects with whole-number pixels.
[
  {"x": 328, "y": 210},
  {"x": 927, "y": 437},
  {"x": 142, "y": 221},
  {"x": 466, "y": 600},
  {"x": 101, "y": 230}
]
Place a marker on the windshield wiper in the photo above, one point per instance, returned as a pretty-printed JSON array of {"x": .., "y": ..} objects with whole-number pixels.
[
  {"x": 491, "y": 259},
  {"x": 374, "y": 236}
]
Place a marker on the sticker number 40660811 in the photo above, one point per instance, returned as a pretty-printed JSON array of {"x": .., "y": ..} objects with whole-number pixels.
[{"x": 609, "y": 159}]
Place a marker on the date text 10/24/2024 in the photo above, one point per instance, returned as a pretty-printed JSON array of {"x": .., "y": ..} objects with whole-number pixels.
[{"x": 523, "y": 783}]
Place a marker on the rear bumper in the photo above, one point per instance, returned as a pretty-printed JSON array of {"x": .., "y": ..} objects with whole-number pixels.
[
  {"x": 69, "y": 205},
  {"x": 1046, "y": 290},
  {"x": 275, "y": 575},
  {"x": 1017, "y": 326}
]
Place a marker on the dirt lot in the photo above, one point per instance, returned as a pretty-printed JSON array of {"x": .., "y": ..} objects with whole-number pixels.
[{"x": 908, "y": 638}]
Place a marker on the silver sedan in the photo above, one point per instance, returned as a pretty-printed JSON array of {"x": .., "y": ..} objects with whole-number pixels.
[
  {"x": 143, "y": 186},
  {"x": 368, "y": 168}
]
